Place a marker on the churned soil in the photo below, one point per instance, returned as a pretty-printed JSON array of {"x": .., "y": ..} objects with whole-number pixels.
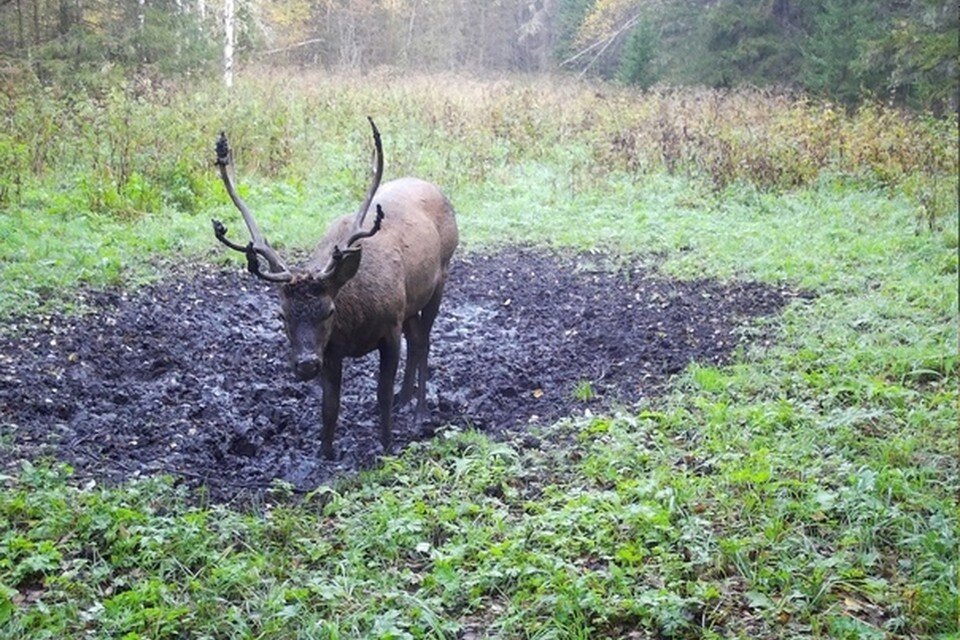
[{"x": 190, "y": 376}]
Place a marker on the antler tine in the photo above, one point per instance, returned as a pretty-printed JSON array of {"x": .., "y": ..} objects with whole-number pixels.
[
  {"x": 338, "y": 255},
  {"x": 252, "y": 254},
  {"x": 377, "y": 175},
  {"x": 259, "y": 245},
  {"x": 360, "y": 235}
]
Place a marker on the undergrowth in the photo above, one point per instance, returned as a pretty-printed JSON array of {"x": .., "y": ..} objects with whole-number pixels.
[
  {"x": 86, "y": 168},
  {"x": 806, "y": 490},
  {"x": 133, "y": 148}
]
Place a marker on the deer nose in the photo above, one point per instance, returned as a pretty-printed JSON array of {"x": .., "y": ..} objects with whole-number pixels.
[{"x": 307, "y": 367}]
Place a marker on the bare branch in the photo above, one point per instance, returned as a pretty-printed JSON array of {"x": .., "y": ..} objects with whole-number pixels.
[
  {"x": 582, "y": 53},
  {"x": 603, "y": 44},
  {"x": 270, "y": 52}
]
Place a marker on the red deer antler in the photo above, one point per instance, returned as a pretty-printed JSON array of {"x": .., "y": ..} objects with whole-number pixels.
[
  {"x": 359, "y": 233},
  {"x": 258, "y": 247},
  {"x": 377, "y": 175}
]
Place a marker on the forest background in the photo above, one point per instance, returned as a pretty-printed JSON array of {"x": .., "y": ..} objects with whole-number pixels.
[{"x": 903, "y": 52}]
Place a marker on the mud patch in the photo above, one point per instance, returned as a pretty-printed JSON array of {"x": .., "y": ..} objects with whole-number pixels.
[{"x": 191, "y": 378}]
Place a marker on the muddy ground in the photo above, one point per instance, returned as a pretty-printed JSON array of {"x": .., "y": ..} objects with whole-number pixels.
[{"x": 191, "y": 377}]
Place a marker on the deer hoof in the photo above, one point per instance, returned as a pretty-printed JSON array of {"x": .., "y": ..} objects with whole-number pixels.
[{"x": 402, "y": 398}]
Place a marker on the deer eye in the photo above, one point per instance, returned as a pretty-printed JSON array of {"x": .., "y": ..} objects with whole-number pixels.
[{"x": 329, "y": 312}]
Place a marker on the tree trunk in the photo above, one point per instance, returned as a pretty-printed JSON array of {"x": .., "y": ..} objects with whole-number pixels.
[
  {"x": 36, "y": 22},
  {"x": 63, "y": 18},
  {"x": 201, "y": 18},
  {"x": 178, "y": 49},
  {"x": 405, "y": 53},
  {"x": 229, "y": 40},
  {"x": 783, "y": 13},
  {"x": 20, "y": 40}
]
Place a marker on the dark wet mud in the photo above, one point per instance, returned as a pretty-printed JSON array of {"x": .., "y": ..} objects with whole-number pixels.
[{"x": 191, "y": 377}]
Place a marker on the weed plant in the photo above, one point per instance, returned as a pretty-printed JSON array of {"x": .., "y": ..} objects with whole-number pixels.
[{"x": 140, "y": 146}]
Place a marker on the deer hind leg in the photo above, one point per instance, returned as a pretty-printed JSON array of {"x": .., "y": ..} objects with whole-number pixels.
[
  {"x": 413, "y": 334},
  {"x": 427, "y": 315},
  {"x": 389, "y": 359}
]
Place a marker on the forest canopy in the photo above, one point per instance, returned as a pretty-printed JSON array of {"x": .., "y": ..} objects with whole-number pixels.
[{"x": 900, "y": 51}]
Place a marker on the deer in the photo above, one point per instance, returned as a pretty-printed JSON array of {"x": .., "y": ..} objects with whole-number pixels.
[{"x": 362, "y": 288}]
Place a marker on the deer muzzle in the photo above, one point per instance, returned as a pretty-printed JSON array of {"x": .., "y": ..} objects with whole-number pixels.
[{"x": 307, "y": 367}]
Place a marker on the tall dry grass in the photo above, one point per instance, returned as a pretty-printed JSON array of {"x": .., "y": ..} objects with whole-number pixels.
[{"x": 138, "y": 147}]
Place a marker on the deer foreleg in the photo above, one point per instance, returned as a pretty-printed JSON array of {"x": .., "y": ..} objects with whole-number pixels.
[
  {"x": 389, "y": 360},
  {"x": 330, "y": 378}
]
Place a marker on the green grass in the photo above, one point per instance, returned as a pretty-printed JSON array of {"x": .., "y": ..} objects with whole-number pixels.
[{"x": 809, "y": 489}]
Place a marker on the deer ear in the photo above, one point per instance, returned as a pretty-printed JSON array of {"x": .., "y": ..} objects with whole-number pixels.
[{"x": 343, "y": 266}]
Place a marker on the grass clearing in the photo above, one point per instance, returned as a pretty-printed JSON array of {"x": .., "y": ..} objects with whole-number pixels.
[{"x": 806, "y": 490}]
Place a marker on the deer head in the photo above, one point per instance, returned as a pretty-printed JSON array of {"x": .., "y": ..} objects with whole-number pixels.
[{"x": 307, "y": 296}]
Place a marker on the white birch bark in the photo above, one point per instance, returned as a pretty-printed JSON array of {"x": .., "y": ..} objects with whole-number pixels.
[{"x": 229, "y": 40}]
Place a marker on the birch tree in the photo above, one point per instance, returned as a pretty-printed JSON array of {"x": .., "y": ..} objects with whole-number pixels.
[{"x": 229, "y": 40}]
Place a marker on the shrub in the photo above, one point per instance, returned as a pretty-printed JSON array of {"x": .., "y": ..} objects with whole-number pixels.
[{"x": 140, "y": 145}]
